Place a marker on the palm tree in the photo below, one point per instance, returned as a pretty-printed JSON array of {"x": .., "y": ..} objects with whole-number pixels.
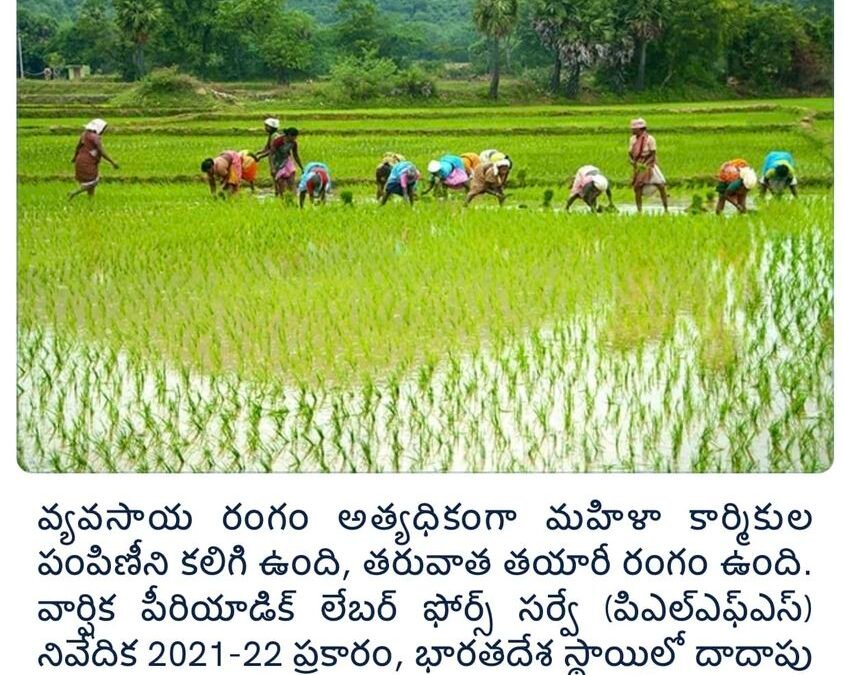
[
  {"x": 576, "y": 33},
  {"x": 496, "y": 20},
  {"x": 136, "y": 19},
  {"x": 645, "y": 19}
]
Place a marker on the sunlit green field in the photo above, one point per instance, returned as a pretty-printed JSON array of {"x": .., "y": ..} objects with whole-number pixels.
[{"x": 162, "y": 330}]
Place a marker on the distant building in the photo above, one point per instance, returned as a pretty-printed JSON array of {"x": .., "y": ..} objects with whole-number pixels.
[{"x": 77, "y": 72}]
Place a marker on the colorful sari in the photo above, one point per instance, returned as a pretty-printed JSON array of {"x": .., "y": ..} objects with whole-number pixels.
[
  {"x": 729, "y": 176},
  {"x": 404, "y": 175},
  {"x": 769, "y": 171},
  {"x": 282, "y": 162},
  {"x": 642, "y": 152},
  {"x": 234, "y": 173},
  {"x": 250, "y": 166},
  {"x": 315, "y": 179}
]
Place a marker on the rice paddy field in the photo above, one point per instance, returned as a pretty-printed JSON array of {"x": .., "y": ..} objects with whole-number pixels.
[{"x": 162, "y": 330}]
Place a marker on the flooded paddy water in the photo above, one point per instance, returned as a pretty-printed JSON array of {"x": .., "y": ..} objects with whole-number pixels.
[{"x": 561, "y": 397}]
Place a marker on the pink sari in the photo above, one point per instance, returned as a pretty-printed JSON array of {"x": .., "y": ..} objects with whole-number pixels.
[
  {"x": 287, "y": 170},
  {"x": 235, "y": 167},
  {"x": 456, "y": 179}
]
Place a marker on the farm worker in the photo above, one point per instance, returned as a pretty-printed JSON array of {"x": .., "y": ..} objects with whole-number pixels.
[
  {"x": 402, "y": 181},
  {"x": 646, "y": 174},
  {"x": 492, "y": 155},
  {"x": 735, "y": 180},
  {"x": 315, "y": 183},
  {"x": 228, "y": 168},
  {"x": 470, "y": 161},
  {"x": 448, "y": 172},
  {"x": 250, "y": 168},
  {"x": 389, "y": 160},
  {"x": 283, "y": 152},
  {"x": 589, "y": 183},
  {"x": 270, "y": 126},
  {"x": 489, "y": 178},
  {"x": 89, "y": 152},
  {"x": 778, "y": 173}
]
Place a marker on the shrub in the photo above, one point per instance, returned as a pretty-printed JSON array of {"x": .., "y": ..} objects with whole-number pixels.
[
  {"x": 355, "y": 79},
  {"x": 165, "y": 87},
  {"x": 360, "y": 78},
  {"x": 414, "y": 82},
  {"x": 167, "y": 81},
  {"x": 536, "y": 79}
]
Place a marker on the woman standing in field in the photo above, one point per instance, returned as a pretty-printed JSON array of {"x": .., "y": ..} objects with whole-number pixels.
[
  {"x": 646, "y": 174},
  {"x": 315, "y": 183},
  {"x": 227, "y": 167},
  {"x": 389, "y": 160},
  {"x": 735, "y": 180},
  {"x": 270, "y": 126},
  {"x": 778, "y": 173},
  {"x": 402, "y": 181},
  {"x": 447, "y": 172},
  {"x": 283, "y": 151},
  {"x": 489, "y": 178},
  {"x": 589, "y": 183},
  {"x": 89, "y": 152}
]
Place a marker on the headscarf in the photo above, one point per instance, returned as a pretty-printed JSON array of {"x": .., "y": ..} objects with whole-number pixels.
[
  {"x": 392, "y": 158},
  {"x": 748, "y": 177},
  {"x": 600, "y": 182},
  {"x": 272, "y": 123},
  {"x": 638, "y": 123},
  {"x": 96, "y": 125}
]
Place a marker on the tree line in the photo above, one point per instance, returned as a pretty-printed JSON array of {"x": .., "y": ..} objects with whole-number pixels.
[{"x": 611, "y": 45}]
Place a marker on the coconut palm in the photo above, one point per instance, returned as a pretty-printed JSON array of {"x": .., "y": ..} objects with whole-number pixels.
[{"x": 496, "y": 20}]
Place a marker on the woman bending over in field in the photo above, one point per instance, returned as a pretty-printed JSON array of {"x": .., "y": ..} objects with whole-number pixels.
[
  {"x": 489, "y": 178},
  {"x": 315, "y": 183},
  {"x": 448, "y": 172},
  {"x": 283, "y": 152},
  {"x": 227, "y": 167},
  {"x": 471, "y": 162},
  {"x": 89, "y": 152},
  {"x": 646, "y": 174},
  {"x": 491, "y": 156},
  {"x": 249, "y": 162},
  {"x": 778, "y": 173},
  {"x": 588, "y": 185},
  {"x": 735, "y": 180},
  {"x": 389, "y": 160},
  {"x": 402, "y": 181}
]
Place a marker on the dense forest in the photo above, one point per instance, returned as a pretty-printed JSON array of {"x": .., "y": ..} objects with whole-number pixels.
[{"x": 560, "y": 47}]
